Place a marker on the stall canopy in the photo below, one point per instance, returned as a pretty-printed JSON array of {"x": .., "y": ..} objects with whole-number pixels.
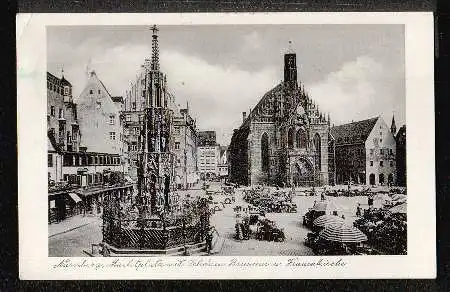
[
  {"x": 75, "y": 197},
  {"x": 402, "y": 209},
  {"x": 325, "y": 220},
  {"x": 342, "y": 233}
]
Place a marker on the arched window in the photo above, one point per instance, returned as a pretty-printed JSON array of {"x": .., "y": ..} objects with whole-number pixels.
[
  {"x": 300, "y": 138},
  {"x": 291, "y": 138},
  {"x": 317, "y": 148},
  {"x": 265, "y": 152},
  {"x": 381, "y": 179},
  {"x": 372, "y": 179}
]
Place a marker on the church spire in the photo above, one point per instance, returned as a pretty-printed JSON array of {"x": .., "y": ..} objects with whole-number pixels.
[
  {"x": 155, "y": 49},
  {"x": 393, "y": 126}
]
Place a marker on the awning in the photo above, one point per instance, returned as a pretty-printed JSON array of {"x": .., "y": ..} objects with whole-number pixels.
[
  {"x": 75, "y": 197},
  {"x": 82, "y": 169}
]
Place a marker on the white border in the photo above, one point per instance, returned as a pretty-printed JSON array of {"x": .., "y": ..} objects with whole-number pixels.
[{"x": 31, "y": 77}]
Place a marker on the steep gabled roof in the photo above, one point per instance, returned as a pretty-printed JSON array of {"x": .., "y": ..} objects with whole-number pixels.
[
  {"x": 277, "y": 88},
  {"x": 352, "y": 133}
]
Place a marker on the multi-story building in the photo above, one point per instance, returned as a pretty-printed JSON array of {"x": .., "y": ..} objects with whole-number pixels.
[
  {"x": 77, "y": 178},
  {"x": 223, "y": 162},
  {"x": 365, "y": 152},
  {"x": 185, "y": 148},
  {"x": 62, "y": 124},
  {"x": 400, "y": 140},
  {"x": 208, "y": 155},
  {"x": 99, "y": 117},
  {"x": 284, "y": 140}
]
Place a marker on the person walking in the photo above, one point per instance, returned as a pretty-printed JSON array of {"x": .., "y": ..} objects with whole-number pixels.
[
  {"x": 209, "y": 237},
  {"x": 358, "y": 210},
  {"x": 370, "y": 201}
]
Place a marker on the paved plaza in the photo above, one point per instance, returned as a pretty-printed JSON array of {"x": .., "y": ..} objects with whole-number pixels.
[{"x": 69, "y": 239}]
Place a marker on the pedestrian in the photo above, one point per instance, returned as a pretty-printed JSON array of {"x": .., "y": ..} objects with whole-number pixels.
[
  {"x": 370, "y": 200},
  {"x": 343, "y": 217},
  {"x": 322, "y": 196},
  {"x": 209, "y": 240},
  {"x": 358, "y": 210}
]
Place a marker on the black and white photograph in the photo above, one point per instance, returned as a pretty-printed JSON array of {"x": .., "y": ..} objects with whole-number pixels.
[
  {"x": 204, "y": 140},
  {"x": 226, "y": 144}
]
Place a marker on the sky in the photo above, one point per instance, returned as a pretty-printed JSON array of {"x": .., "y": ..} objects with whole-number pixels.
[{"x": 353, "y": 72}]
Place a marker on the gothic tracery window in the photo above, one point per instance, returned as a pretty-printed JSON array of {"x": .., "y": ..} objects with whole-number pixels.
[
  {"x": 291, "y": 138},
  {"x": 300, "y": 138}
]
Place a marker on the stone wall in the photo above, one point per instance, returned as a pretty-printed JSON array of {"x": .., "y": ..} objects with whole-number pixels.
[{"x": 256, "y": 173}]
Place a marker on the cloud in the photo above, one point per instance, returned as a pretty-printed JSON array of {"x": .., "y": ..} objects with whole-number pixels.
[
  {"x": 360, "y": 89},
  {"x": 217, "y": 95}
]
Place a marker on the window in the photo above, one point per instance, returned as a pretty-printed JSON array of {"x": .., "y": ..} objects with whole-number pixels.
[
  {"x": 50, "y": 160},
  {"x": 371, "y": 163},
  {"x": 66, "y": 90},
  {"x": 133, "y": 146},
  {"x": 390, "y": 151},
  {"x": 381, "y": 133},
  {"x": 381, "y": 140},
  {"x": 381, "y": 151},
  {"x": 112, "y": 135},
  {"x": 136, "y": 131},
  {"x": 177, "y": 145},
  {"x": 52, "y": 111},
  {"x": 381, "y": 163},
  {"x": 391, "y": 163},
  {"x": 91, "y": 92},
  {"x": 61, "y": 113},
  {"x": 112, "y": 119},
  {"x": 133, "y": 106},
  {"x": 98, "y": 91}
]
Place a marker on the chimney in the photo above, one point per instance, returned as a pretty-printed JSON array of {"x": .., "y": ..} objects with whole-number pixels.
[{"x": 244, "y": 115}]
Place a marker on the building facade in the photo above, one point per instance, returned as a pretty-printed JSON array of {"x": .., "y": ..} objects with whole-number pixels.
[
  {"x": 77, "y": 178},
  {"x": 365, "y": 153},
  {"x": 400, "y": 140},
  {"x": 284, "y": 140},
  {"x": 208, "y": 154},
  {"x": 99, "y": 117},
  {"x": 185, "y": 148},
  {"x": 223, "y": 162}
]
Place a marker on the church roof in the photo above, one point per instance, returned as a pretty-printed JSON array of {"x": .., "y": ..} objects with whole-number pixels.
[{"x": 356, "y": 132}]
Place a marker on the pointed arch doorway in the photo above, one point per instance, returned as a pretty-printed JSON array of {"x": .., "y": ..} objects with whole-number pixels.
[{"x": 302, "y": 173}]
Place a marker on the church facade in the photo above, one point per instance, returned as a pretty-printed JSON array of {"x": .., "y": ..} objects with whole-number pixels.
[{"x": 284, "y": 140}]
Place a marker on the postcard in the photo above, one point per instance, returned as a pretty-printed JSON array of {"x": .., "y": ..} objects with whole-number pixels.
[{"x": 233, "y": 145}]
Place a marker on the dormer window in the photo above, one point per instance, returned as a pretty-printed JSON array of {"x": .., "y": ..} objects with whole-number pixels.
[
  {"x": 91, "y": 92},
  {"x": 66, "y": 90}
]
